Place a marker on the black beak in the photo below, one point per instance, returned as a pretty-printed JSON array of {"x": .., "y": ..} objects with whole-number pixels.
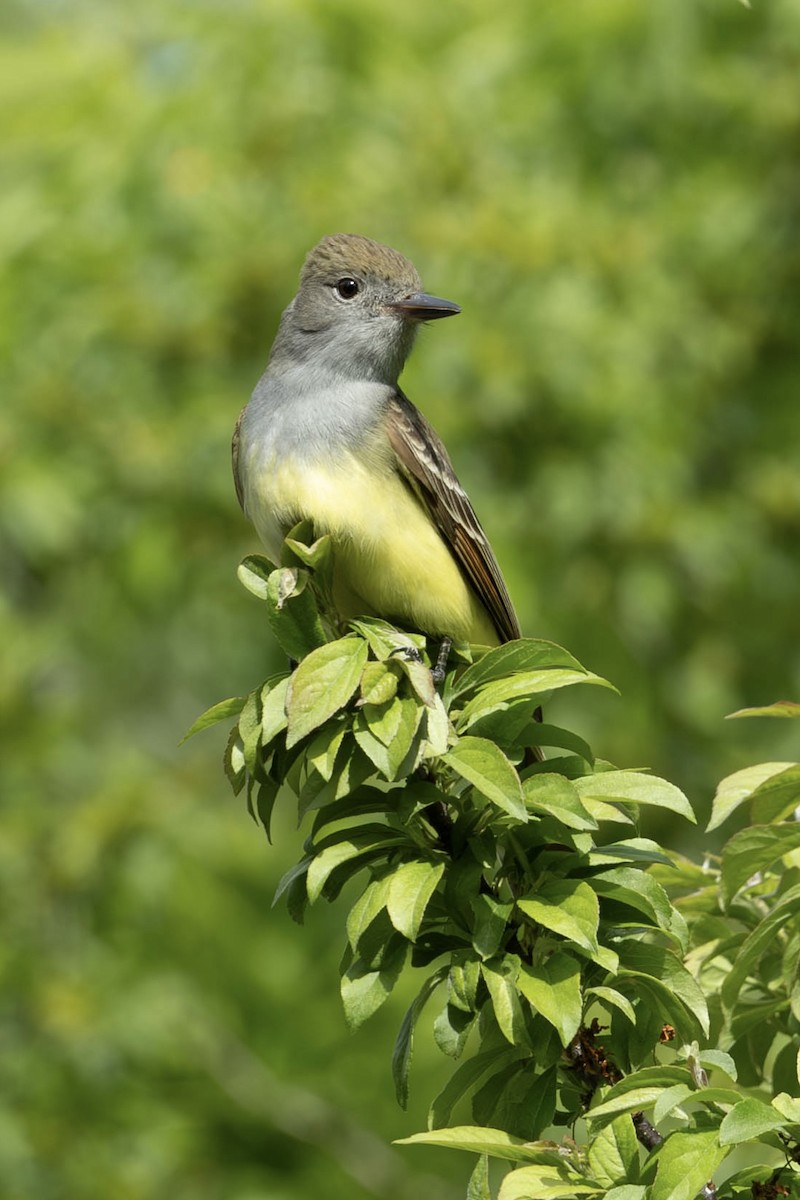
[{"x": 422, "y": 307}]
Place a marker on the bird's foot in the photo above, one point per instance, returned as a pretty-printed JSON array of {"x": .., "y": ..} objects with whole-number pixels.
[{"x": 441, "y": 659}]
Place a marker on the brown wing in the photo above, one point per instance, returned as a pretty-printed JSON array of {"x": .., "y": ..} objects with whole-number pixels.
[
  {"x": 425, "y": 464},
  {"x": 237, "y": 483}
]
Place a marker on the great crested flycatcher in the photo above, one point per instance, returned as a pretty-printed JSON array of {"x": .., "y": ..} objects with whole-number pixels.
[{"x": 329, "y": 436}]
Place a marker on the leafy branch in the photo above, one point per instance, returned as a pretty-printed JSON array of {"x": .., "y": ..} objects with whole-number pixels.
[{"x": 583, "y": 977}]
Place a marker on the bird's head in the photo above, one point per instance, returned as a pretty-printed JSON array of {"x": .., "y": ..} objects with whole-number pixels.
[{"x": 358, "y": 308}]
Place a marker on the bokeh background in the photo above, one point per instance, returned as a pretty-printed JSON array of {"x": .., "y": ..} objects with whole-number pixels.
[{"x": 611, "y": 189}]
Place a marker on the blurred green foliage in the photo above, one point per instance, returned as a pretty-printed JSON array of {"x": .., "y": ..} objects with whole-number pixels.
[{"x": 610, "y": 188}]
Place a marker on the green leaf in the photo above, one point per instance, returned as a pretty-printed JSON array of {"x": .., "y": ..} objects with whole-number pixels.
[
  {"x": 374, "y": 841},
  {"x": 518, "y": 1100},
  {"x": 777, "y": 798},
  {"x": 420, "y": 677},
  {"x": 635, "y": 850},
  {"x": 273, "y": 708},
  {"x": 385, "y": 641},
  {"x": 671, "y": 980},
  {"x": 614, "y": 1153},
  {"x": 265, "y": 802},
  {"x": 233, "y": 761},
  {"x": 553, "y": 988},
  {"x": 491, "y": 921},
  {"x": 735, "y": 789},
  {"x": 670, "y": 1099},
  {"x": 717, "y": 1095},
  {"x": 466, "y": 1077},
  {"x": 509, "y": 725},
  {"x": 637, "y": 890},
  {"x": 451, "y": 1029},
  {"x": 637, "y": 788},
  {"x": 212, "y": 716},
  {"x": 370, "y": 903},
  {"x": 389, "y": 737},
  {"x": 542, "y": 734},
  {"x": 626, "y": 1191},
  {"x": 250, "y": 729},
  {"x": 484, "y": 765},
  {"x": 717, "y": 1059},
  {"x": 753, "y": 850},
  {"x": 410, "y": 888},
  {"x": 568, "y": 907},
  {"x": 463, "y": 981},
  {"x": 685, "y": 1162},
  {"x": 756, "y": 943},
  {"x": 321, "y": 754},
  {"x": 500, "y": 978},
  {"x": 364, "y": 990},
  {"x": 747, "y": 1120},
  {"x": 378, "y": 683},
  {"x": 601, "y": 811},
  {"x": 480, "y": 1140},
  {"x": 298, "y": 871},
  {"x": 478, "y": 1186},
  {"x": 616, "y": 999},
  {"x": 524, "y": 654},
  {"x": 395, "y": 720},
  {"x": 404, "y": 1046},
  {"x": 788, "y": 1107},
  {"x": 322, "y": 684},
  {"x": 292, "y": 612},
  {"x": 638, "y": 1090},
  {"x": 541, "y": 1183},
  {"x": 529, "y": 683},
  {"x": 781, "y": 708},
  {"x": 437, "y": 729},
  {"x": 302, "y": 546},
  {"x": 556, "y": 796},
  {"x": 253, "y": 572}
]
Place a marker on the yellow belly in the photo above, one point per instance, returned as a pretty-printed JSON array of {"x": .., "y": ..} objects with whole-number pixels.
[{"x": 390, "y": 560}]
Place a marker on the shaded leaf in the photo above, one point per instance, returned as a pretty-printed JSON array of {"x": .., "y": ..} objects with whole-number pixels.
[
  {"x": 404, "y": 1045},
  {"x": 753, "y": 850},
  {"x": 292, "y": 612},
  {"x": 491, "y": 920},
  {"x": 466, "y": 1077},
  {"x": 375, "y": 840},
  {"x": 568, "y": 907}
]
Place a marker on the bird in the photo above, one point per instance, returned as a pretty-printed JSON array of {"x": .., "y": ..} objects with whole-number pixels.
[{"x": 329, "y": 436}]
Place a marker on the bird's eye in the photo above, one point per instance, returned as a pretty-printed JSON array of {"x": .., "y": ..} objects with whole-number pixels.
[{"x": 347, "y": 287}]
